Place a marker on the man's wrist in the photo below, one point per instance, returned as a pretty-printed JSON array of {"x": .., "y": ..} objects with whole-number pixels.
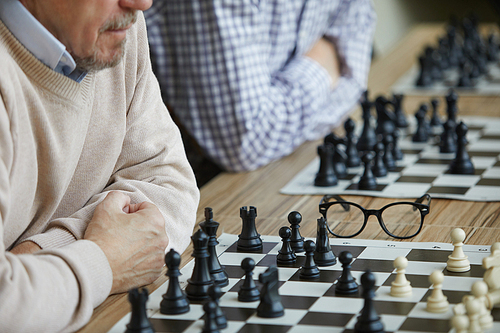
[{"x": 27, "y": 247}]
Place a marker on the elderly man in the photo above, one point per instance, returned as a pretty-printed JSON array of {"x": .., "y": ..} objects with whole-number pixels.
[
  {"x": 94, "y": 181},
  {"x": 252, "y": 80}
]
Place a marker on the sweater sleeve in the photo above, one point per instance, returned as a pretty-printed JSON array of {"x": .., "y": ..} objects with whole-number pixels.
[
  {"x": 212, "y": 58},
  {"x": 152, "y": 165}
]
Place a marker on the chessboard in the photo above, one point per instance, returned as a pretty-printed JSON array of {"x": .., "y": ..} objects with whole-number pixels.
[
  {"x": 423, "y": 169},
  {"x": 314, "y": 307},
  {"x": 486, "y": 85}
]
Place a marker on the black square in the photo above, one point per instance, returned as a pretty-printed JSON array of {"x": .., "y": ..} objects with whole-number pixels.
[
  {"x": 433, "y": 161},
  {"x": 475, "y": 271},
  {"x": 298, "y": 302},
  {"x": 238, "y": 314},
  {"x": 325, "y": 275},
  {"x": 415, "y": 179},
  {"x": 454, "y": 296},
  {"x": 261, "y": 328},
  {"x": 234, "y": 272},
  {"x": 331, "y": 292},
  {"x": 428, "y": 255},
  {"x": 372, "y": 264},
  {"x": 393, "y": 308},
  {"x": 170, "y": 325},
  {"x": 326, "y": 319},
  {"x": 425, "y": 325},
  {"x": 489, "y": 182},
  {"x": 354, "y": 250},
  {"x": 448, "y": 190},
  {"x": 483, "y": 153},
  {"x": 354, "y": 187},
  {"x": 266, "y": 247}
]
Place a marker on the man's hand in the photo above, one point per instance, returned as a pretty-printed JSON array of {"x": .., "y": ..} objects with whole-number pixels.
[
  {"x": 325, "y": 53},
  {"x": 27, "y": 247},
  {"x": 132, "y": 237}
]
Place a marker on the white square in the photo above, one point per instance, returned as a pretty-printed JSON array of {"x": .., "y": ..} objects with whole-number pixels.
[
  {"x": 494, "y": 172},
  {"x": 315, "y": 329},
  {"x": 384, "y": 294},
  {"x": 391, "y": 322},
  {"x": 230, "y": 299},
  {"x": 405, "y": 190},
  {"x": 419, "y": 311},
  {"x": 299, "y": 288},
  {"x": 195, "y": 312},
  {"x": 380, "y": 278},
  {"x": 234, "y": 258},
  {"x": 383, "y": 253},
  {"x": 485, "y": 193},
  {"x": 424, "y": 268},
  {"x": 484, "y": 145},
  {"x": 456, "y": 180},
  {"x": 425, "y": 169},
  {"x": 460, "y": 283},
  {"x": 483, "y": 162},
  {"x": 338, "y": 305}
]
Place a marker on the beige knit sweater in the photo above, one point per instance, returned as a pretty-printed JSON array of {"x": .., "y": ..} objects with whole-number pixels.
[{"x": 63, "y": 146}]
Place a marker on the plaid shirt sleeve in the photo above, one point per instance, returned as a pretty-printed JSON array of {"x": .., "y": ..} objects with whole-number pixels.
[{"x": 235, "y": 75}]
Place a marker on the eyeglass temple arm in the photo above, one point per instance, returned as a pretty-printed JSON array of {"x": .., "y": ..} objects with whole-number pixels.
[
  {"x": 327, "y": 198},
  {"x": 424, "y": 197}
]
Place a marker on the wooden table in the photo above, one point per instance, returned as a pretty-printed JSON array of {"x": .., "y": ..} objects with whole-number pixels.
[{"x": 228, "y": 192}]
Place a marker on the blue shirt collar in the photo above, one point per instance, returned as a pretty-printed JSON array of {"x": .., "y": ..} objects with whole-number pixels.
[{"x": 37, "y": 39}]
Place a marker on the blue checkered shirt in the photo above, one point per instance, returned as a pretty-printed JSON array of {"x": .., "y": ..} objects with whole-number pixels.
[{"x": 235, "y": 75}]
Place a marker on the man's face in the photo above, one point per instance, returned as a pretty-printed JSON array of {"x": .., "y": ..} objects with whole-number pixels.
[{"x": 93, "y": 31}]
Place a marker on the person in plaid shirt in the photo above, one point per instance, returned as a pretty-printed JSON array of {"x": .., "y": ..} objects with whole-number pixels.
[{"x": 251, "y": 80}]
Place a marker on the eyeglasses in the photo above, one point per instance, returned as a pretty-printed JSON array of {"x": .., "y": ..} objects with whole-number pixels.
[{"x": 401, "y": 220}]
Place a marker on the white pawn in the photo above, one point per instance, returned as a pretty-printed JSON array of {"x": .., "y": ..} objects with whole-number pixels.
[
  {"x": 437, "y": 302},
  {"x": 458, "y": 261},
  {"x": 401, "y": 287},
  {"x": 492, "y": 266},
  {"x": 479, "y": 290},
  {"x": 473, "y": 308},
  {"x": 460, "y": 323}
]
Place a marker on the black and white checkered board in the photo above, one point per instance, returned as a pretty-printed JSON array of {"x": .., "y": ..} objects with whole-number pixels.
[
  {"x": 424, "y": 170},
  {"x": 486, "y": 85},
  {"x": 313, "y": 307}
]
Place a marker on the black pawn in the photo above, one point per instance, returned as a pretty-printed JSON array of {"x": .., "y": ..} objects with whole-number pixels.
[
  {"x": 249, "y": 240},
  {"x": 248, "y": 291},
  {"x": 379, "y": 169},
  {"x": 435, "y": 121},
  {"x": 326, "y": 175},
  {"x": 367, "y": 180},
  {"x": 209, "y": 226},
  {"x": 346, "y": 284},
  {"x": 451, "y": 106},
  {"x": 200, "y": 280},
  {"x": 425, "y": 77},
  {"x": 174, "y": 300},
  {"x": 296, "y": 241},
  {"x": 368, "y": 138},
  {"x": 353, "y": 159},
  {"x": 462, "y": 163},
  {"x": 270, "y": 305},
  {"x": 215, "y": 294},
  {"x": 421, "y": 134},
  {"x": 464, "y": 80},
  {"x": 368, "y": 321},
  {"x": 286, "y": 256},
  {"x": 309, "y": 270},
  {"x": 323, "y": 255},
  {"x": 396, "y": 151},
  {"x": 389, "y": 161},
  {"x": 448, "y": 144},
  {"x": 139, "y": 322},
  {"x": 210, "y": 325},
  {"x": 397, "y": 101}
]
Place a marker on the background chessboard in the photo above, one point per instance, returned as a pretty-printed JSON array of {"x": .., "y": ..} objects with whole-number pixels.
[
  {"x": 313, "y": 307},
  {"x": 486, "y": 85},
  {"x": 424, "y": 169}
]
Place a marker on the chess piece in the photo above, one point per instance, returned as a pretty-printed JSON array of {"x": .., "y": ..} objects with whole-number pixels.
[
  {"x": 368, "y": 320},
  {"x": 139, "y": 322},
  {"x": 339, "y": 157},
  {"x": 435, "y": 121},
  {"x": 249, "y": 240},
  {"x": 346, "y": 284},
  {"x": 457, "y": 260},
  {"x": 174, "y": 301},
  {"x": 309, "y": 270},
  {"x": 351, "y": 151},
  {"x": 401, "y": 287},
  {"x": 462, "y": 163},
  {"x": 396, "y": 151},
  {"x": 200, "y": 280},
  {"x": 270, "y": 305},
  {"x": 286, "y": 256},
  {"x": 386, "y": 121},
  {"x": 368, "y": 138},
  {"x": 425, "y": 76},
  {"x": 209, "y": 226},
  {"x": 248, "y": 291},
  {"x": 492, "y": 266},
  {"x": 421, "y": 134},
  {"x": 210, "y": 325},
  {"x": 447, "y": 144},
  {"x": 464, "y": 81},
  {"x": 326, "y": 175},
  {"x": 367, "y": 180},
  {"x": 296, "y": 241},
  {"x": 451, "y": 106},
  {"x": 397, "y": 101},
  {"x": 473, "y": 309},
  {"x": 480, "y": 290},
  {"x": 323, "y": 255},
  {"x": 460, "y": 323},
  {"x": 379, "y": 169},
  {"x": 437, "y": 302},
  {"x": 215, "y": 293},
  {"x": 492, "y": 47},
  {"x": 389, "y": 161}
]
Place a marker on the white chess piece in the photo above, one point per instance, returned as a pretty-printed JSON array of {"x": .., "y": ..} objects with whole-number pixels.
[
  {"x": 458, "y": 261},
  {"x": 492, "y": 266},
  {"x": 401, "y": 287},
  {"x": 460, "y": 323},
  {"x": 473, "y": 308},
  {"x": 479, "y": 290},
  {"x": 437, "y": 302}
]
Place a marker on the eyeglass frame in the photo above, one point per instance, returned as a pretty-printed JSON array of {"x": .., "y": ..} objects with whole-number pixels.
[{"x": 417, "y": 204}]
